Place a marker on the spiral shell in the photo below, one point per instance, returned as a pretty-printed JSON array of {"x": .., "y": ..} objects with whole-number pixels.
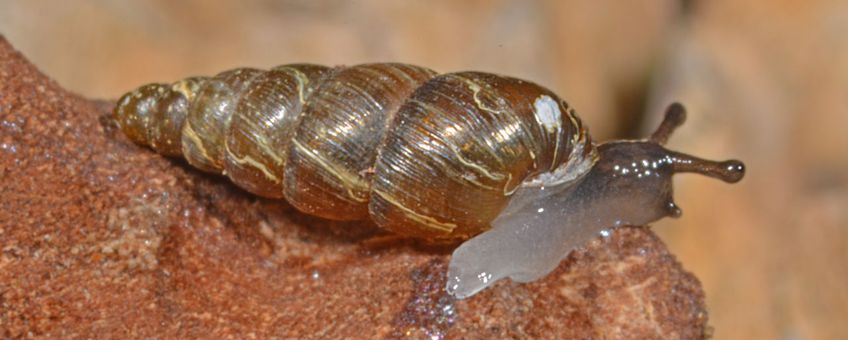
[{"x": 424, "y": 155}]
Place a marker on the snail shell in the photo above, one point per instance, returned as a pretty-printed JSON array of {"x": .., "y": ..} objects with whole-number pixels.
[
  {"x": 434, "y": 157},
  {"x": 438, "y": 157}
]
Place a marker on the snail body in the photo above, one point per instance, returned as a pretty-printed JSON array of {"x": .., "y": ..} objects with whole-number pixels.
[{"x": 502, "y": 163}]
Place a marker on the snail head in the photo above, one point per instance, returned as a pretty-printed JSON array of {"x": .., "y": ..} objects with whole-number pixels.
[{"x": 641, "y": 170}]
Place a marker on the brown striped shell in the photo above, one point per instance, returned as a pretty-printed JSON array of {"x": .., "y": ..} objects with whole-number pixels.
[{"x": 424, "y": 155}]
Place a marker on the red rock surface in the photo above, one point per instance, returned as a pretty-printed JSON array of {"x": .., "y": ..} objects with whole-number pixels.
[{"x": 100, "y": 237}]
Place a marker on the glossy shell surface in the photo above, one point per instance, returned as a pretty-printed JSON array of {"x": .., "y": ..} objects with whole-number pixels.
[{"x": 424, "y": 155}]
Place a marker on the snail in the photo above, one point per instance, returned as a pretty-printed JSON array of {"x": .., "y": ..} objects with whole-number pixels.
[{"x": 500, "y": 163}]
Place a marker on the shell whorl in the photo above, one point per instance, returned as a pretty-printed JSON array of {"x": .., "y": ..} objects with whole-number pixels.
[{"x": 424, "y": 155}]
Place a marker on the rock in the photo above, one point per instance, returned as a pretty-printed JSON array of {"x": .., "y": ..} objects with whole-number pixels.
[{"x": 103, "y": 238}]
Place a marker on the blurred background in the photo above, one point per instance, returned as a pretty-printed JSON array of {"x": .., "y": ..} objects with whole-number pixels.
[{"x": 765, "y": 82}]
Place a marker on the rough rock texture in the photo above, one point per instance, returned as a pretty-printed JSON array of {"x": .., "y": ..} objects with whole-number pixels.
[{"x": 100, "y": 237}]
